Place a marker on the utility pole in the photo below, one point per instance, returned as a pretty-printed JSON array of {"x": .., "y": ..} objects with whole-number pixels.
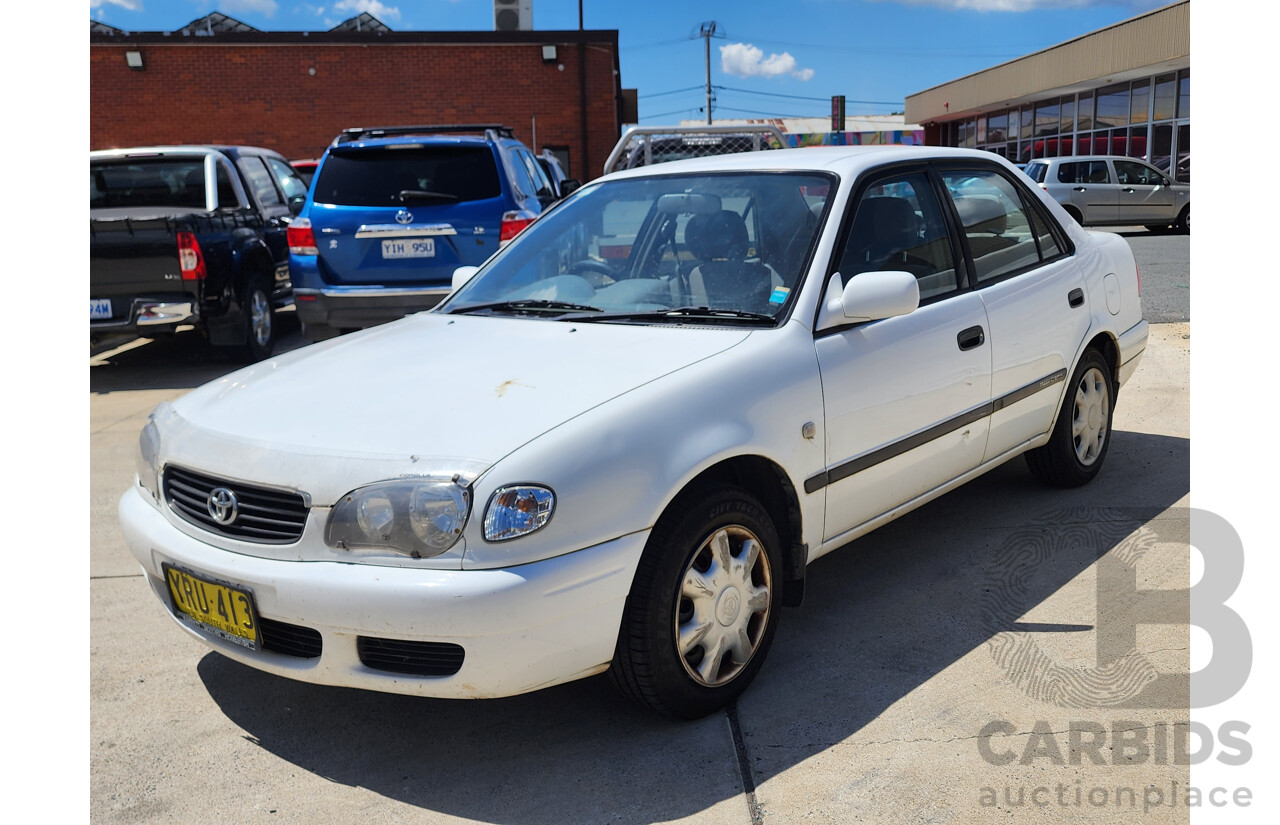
[{"x": 706, "y": 32}]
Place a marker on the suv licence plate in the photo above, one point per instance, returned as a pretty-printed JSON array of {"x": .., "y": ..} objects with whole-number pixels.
[
  {"x": 221, "y": 608},
  {"x": 409, "y": 248},
  {"x": 99, "y": 309}
]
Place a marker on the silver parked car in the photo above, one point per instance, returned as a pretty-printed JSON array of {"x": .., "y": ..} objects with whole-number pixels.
[{"x": 1101, "y": 190}]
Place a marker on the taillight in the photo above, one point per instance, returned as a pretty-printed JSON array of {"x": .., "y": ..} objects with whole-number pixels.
[
  {"x": 302, "y": 241},
  {"x": 513, "y": 223},
  {"x": 190, "y": 260}
]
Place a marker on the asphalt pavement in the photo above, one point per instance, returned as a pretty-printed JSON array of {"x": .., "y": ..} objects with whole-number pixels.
[{"x": 944, "y": 668}]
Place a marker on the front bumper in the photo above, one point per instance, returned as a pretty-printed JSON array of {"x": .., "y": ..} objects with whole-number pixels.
[
  {"x": 360, "y": 307},
  {"x": 521, "y": 628}
]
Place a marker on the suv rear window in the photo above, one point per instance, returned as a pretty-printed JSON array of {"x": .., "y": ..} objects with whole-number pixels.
[
  {"x": 376, "y": 177},
  {"x": 159, "y": 182}
]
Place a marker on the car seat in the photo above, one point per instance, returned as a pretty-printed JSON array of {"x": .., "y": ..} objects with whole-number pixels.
[{"x": 726, "y": 278}]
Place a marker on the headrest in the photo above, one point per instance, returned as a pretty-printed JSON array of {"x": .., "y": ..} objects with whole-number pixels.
[
  {"x": 722, "y": 235},
  {"x": 981, "y": 214}
]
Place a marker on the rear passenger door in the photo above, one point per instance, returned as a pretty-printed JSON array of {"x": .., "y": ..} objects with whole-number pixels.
[
  {"x": 1089, "y": 186},
  {"x": 1033, "y": 290}
]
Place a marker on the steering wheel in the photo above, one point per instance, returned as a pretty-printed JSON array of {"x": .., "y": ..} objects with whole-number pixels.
[{"x": 596, "y": 273}]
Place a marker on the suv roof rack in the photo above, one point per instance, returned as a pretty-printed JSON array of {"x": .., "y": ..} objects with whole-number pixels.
[{"x": 492, "y": 131}]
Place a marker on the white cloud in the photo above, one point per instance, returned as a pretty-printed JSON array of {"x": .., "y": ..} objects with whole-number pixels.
[
  {"x": 374, "y": 7},
  {"x": 745, "y": 60},
  {"x": 131, "y": 5},
  {"x": 263, "y": 7}
]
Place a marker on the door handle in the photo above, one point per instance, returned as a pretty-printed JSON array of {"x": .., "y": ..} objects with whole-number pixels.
[
  {"x": 1081, "y": 189},
  {"x": 1075, "y": 297},
  {"x": 970, "y": 338},
  {"x": 1129, "y": 190}
]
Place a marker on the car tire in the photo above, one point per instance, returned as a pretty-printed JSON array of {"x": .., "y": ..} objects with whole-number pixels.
[
  {"x": 1075, "y": 214},
  {"x": 259, "y": 323},
  {"x": 1082, "y": 434},
  {"x": 707, "y": 585},
  {"x": 1183, "y": 224}
]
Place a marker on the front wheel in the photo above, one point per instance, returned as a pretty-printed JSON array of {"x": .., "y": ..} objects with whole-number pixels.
[
  {"x": 1082, "y": 434},
  {"x": 704, "y": 606},
  {"x": 1184, "y": 220}
]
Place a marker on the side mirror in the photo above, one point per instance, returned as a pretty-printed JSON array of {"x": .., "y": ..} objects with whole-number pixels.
[
  {"x": 296, "y": 203},
  {"x": 568, "y": 186},
  {"x": 869, "y": 296},
  {"x": 463, "y": 274}
]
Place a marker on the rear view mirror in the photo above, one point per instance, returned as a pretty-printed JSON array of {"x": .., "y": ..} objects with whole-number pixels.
[
  {"x": 296, "y": 203},
  {"x": 870, "y": 296},
  {"x": 463, "y": 274}
]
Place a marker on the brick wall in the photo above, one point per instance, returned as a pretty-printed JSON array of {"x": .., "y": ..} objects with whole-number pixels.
[{"x": 294, "y": 97}]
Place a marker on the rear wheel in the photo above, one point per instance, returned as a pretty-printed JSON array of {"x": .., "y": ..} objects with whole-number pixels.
[
  {"x": 259, "y": 322},
  {"x": 704, "y": 606},
  {"x": 1082, "y": 434},
  {"x": 1075, "y": 214}
]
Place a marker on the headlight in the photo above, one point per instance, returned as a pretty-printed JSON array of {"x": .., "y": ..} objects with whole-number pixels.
[
  {"x": 418, "y": 517},
  {"x": 147, "y": 458},
  {"x": 517, "y": 511}
]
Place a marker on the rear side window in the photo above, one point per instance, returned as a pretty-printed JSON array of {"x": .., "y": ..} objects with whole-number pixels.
[
  {"x": 172, "y": 182},
  {"x": 994, "y": 222},
  {"x": 1083, "y": 171},
  {"x": 394, "y": 176}
]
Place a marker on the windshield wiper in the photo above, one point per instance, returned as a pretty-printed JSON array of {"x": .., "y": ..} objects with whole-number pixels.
[
  {"x": 528, "y": 305},
  {"x": 688, "y": 313},
  {"x": 407, "y": 195}
]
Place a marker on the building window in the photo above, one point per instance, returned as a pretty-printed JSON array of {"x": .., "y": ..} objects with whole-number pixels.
[
  {"x": 1184, "y": 95},
  {"x": 1084, "y": 118},
  {"x": 1113, "y": 106},
  {"x": 1068, "y": 116},
  {"x": 1139, "y": 101},
  {"x": 1165, "y": 97}
]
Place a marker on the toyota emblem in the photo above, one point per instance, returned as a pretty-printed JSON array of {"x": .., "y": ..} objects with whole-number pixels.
[
  {"x": 404, "y": 216},
  {"x": 222, "y": 505}
]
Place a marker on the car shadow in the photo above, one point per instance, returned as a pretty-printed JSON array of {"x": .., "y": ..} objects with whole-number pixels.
[
  {"x": 182, "y": 360},
  {"x": 881, "y": 618}
]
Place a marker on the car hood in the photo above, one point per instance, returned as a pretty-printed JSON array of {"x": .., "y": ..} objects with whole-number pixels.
[{"x": 430, "y": 394}]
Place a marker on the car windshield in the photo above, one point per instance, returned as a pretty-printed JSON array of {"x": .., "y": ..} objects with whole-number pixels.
[{"x": 722, "y": 248}]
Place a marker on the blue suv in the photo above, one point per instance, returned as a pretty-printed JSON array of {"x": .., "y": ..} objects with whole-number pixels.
[{"x": 393, "y": 211}]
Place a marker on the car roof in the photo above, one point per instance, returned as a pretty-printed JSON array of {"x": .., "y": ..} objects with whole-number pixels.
[
  {"x": 183, "y": 149},
  {"x": 845, "y": 160}
]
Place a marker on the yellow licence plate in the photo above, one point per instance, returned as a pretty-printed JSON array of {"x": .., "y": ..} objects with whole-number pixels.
[{"x": 220, "y": 608}]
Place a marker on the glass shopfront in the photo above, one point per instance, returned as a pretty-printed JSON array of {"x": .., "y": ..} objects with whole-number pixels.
[{"x": 1148, "y": 118}]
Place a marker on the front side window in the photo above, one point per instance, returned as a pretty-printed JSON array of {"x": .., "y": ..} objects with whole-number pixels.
[
  {"x": 660, "y": 250},
  {"x": 288, "y": 178},
  {"x": 898, "y": 225},
  {"x": 260, "y": 181},
  {"x": 995, "y": 224},
  {"x": 1129, "y": 172}
]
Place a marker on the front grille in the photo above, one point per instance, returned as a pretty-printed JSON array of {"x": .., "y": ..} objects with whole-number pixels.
[
  {"x": 289, "y": 639},
  {"x": 412, "y": 658},
  {"x": 262, "y": 515}
]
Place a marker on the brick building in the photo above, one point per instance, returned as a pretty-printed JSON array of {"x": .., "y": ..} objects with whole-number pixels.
[{"x": 220, "y": 81}]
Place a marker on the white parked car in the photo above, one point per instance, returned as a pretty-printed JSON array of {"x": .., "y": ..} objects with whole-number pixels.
[{"x": 617, "y": 446}]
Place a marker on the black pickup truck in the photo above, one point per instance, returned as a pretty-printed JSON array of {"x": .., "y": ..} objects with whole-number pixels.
[{"x": 191, "y": 235}]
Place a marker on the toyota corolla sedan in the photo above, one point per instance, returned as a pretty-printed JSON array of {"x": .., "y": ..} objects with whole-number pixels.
[{"x": 618, "y": 443}]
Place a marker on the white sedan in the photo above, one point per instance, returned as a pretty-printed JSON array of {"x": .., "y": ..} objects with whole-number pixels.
[{"x": 619, "y": 443}]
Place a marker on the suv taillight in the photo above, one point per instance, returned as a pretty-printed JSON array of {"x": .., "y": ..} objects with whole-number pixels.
[
  {"x": 513, "y": 223},
  {"x": 190, "y": 260},
  {"x": 302, "y": 241}
]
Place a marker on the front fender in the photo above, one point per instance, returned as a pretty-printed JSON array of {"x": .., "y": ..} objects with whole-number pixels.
[{"x": 615, "y": 468}]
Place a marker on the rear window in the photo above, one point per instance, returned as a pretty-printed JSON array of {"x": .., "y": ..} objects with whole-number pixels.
[
  {"x": 1036, "y": 171},
  {"x": 378, "y": 177},
  {"x": 159, "y": 182}
]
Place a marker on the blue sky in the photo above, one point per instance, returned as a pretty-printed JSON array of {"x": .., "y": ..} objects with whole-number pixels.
[{"x": 771, "y": 58}]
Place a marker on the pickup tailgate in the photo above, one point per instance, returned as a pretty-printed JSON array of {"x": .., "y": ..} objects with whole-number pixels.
[{"x": 131, "y": 258}]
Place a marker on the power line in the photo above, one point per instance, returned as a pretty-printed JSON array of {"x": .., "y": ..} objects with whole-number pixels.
[
  {"x": 672, "y": 92},
  {"x": 803, "y": 97}
]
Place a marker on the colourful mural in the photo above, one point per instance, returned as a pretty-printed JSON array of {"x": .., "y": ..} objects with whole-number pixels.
[{"x": 900, "y": 137}]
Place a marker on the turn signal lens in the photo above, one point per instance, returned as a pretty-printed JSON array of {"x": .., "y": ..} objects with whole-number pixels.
[{"x": 517, "y": 511}]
